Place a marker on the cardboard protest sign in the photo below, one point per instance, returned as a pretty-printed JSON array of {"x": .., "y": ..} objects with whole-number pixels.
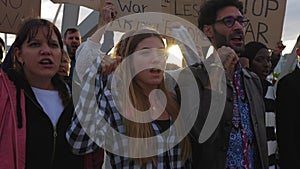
[
  {"x": 13, "y": 12},
  {"x": 266, "y": 21},
  {"x": 161, "y": 22},
  {"x": 186, "y": 9},
  {"x": 127, "y": 7},
  {"x": 93, "y": 4},
  {"x": 266, "y": 16}
]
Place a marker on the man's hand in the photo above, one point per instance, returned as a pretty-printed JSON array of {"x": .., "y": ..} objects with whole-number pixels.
[{"x": 228, "y": 58}]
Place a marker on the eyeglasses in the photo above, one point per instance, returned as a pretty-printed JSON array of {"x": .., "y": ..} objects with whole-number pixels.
[{"x": 229, "y": 21}]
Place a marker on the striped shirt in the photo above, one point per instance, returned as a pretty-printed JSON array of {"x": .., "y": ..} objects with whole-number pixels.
[{"x": 269, "y": 100}]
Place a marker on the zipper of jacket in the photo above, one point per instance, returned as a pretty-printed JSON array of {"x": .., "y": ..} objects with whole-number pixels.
[
  {"x": 54, "y": 129},
  {"x": 54, "y": 145}
]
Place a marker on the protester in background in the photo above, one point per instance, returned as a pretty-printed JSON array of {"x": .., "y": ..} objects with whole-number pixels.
[
  {"x": 72, "y": 40},
  {"x": 48, "y": 108},
  {"x": 287, "y": 117},
  {"x": 257, "y": 52},
  {"x": 239, "y": 141},
  {"x": 275, "y": 56},
  {"x": 65, "y": 66},
  {"x": 259, "y": 59}
]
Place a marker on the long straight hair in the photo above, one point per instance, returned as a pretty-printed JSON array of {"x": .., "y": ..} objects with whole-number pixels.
[{"x": 139, "y": 99}]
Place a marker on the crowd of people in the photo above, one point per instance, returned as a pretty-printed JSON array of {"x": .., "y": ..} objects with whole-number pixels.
[{"x": 58, "y": 114}]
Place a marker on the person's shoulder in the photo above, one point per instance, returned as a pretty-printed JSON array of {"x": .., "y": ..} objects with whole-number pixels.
[
  {"x": 250, "y": 74},
  {"x": 252, "y": 78},
  {"x": 17, "y": 77},
  {"x": 286, "y": 80}
]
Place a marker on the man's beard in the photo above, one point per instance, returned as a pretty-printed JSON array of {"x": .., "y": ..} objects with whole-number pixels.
[
  {"x": 221, "y": 40},
  {"x": 70, "y": 52}
]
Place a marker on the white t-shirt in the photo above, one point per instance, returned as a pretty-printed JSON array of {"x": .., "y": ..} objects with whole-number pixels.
[{"x": 50, "y": 102}]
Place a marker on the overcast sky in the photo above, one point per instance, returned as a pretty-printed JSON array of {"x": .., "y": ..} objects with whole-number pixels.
[{"x": 291, "y": 26}]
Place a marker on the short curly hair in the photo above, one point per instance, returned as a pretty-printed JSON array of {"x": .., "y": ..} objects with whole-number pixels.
[{"x": 209, "y": 8}]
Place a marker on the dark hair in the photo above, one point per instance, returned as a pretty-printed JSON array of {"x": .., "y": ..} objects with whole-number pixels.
[
  {"x": 71, "y": 30},
  {"x": 251, "y": 50},
  {"x": 209, "y": 8},
  {"x": 28, "y": 31},
  {"x": 30, "y": 28}
]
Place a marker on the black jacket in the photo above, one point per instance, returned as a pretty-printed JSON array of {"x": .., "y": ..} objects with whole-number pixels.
[
  {"x": 46, "y": 145},
  {"x": 287, "y": 119},
  {"x": 212, "y": 153}
]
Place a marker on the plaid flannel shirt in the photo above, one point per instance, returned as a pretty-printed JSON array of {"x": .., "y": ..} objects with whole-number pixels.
[{"x": 96, "y": 114}]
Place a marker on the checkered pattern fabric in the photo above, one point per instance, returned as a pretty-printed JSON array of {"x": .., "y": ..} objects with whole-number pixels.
[{"x": 96, "y": 116}]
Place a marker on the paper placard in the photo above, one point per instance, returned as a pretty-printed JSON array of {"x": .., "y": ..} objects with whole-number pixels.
[
  {"x": 266, "y": 21},
  {"x": 13, "y": 12},
  {"x": 93, "y": 4},
  {"x": 266, "y": 16}
]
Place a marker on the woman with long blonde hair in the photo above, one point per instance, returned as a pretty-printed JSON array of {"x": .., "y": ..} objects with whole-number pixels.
[{"x": 136, "y": 104}]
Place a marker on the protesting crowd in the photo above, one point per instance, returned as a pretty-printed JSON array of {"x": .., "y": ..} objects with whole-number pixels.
[{"x": 73, "y": 104}]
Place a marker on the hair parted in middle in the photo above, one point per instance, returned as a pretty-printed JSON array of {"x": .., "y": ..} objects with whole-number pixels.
[{"x": 140, "y": 101}]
